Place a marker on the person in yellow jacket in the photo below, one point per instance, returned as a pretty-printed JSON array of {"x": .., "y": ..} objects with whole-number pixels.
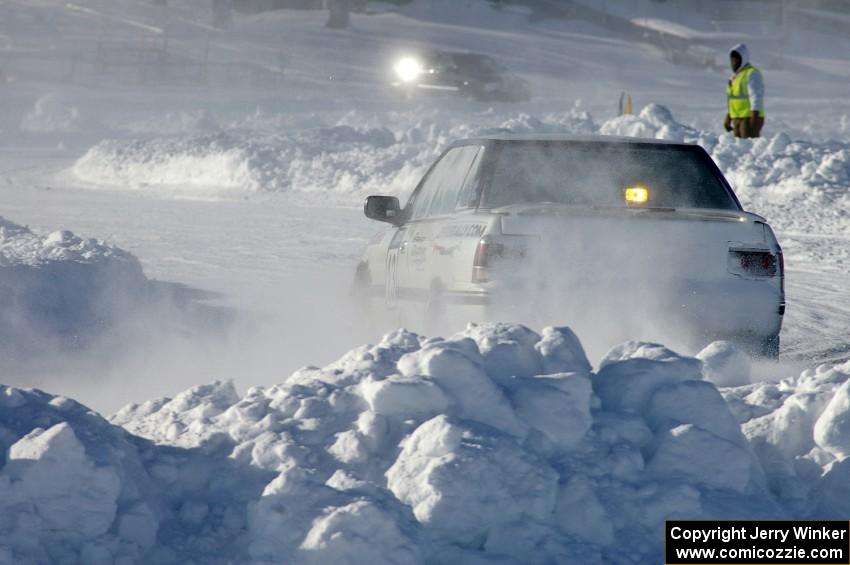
[{"x": 744, "y": 95}]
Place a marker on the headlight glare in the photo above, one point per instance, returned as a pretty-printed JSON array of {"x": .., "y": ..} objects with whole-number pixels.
[{"x": 408, "y": 69}]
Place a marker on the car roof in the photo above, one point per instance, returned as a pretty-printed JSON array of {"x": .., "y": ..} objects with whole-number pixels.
[
  {"x": 569, "y": 138},
  {"x": 452, "y": 52}
]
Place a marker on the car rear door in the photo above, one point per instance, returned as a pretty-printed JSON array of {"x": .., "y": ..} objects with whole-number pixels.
[
  {"x": 459, "y": 228},
  {"x": 431, "y": 205}
]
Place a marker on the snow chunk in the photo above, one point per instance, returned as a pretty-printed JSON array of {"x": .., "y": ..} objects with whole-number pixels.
[
  {"x": 399, "y": 396},
  {"x": 698, "y": 403},
  {"x": 520, "y": 541},
  {"x": 789, "y": 428},
  {"x": 462, "y": 479},
  {"x": 349, "y": 447},
  {"x": 694, "y": 455},
  {"x": 831, "y": 496},
  {"x": 184, "y": 420},
  {"x": 630, "y": 373},
  {"x": 50, "y": 474},
  {"x": 832, "y": 429},
  {"x": 359, "y": 532},
  {"x": 139, "y": 525},
  {"x": 654, "y": 121},
  {"x": 458, "y": 367},
  {"x": 724, "y": 364},
  {"x": 508, "y": 350},
  {"x": 580, "y": 513},
  {"x": 558, "y": 406},
  {"x": 561, "y": 351}
]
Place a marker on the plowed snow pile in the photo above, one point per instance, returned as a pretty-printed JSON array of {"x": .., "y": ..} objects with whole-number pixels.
[
  {"x": 495, "y": 445},
  {"x": 60, "y": 286},
  {"x": 801, "y": 186},
  {"x": 241, "y": 162}
]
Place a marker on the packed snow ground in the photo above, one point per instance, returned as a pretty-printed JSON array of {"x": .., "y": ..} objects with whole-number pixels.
[
  {"x": 493, "y": 445},
  {"x": 496, "y": 445}
]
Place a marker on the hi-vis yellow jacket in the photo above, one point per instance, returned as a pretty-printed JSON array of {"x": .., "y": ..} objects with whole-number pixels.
[{"x": 738, "y": 93}]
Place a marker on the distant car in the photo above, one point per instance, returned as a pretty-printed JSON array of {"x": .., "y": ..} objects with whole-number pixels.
[
  {"x": 467, "y": 74},
  {"x": 643, "y": 235}
]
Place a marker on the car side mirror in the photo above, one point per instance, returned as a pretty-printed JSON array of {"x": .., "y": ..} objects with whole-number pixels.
[{"x": 384, "y": 209}]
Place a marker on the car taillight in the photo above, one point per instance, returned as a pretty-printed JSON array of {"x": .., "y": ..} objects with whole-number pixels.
[
  {"x": 490, "y": 252},
  {"x": 485, "y": 253},
  {"x": 754, "y": 263}
]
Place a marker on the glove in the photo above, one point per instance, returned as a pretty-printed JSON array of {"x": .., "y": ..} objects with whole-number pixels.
[{"x": 727, "y": 123}]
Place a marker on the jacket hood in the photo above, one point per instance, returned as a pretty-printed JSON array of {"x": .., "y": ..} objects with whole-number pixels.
[{"x": 741, "y": 50}]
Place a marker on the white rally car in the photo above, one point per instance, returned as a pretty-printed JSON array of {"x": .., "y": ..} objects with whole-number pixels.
[{"x": 640, "y": 239}]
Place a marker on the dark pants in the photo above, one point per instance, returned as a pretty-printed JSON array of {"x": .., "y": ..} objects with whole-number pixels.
[{"x": 747, "y": 127}]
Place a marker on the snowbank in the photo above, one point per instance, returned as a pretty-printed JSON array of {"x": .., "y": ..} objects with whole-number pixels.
[
  {"x": 790, "y": 181},
  {"x": 60, "y": 286},
  {"x": 75, "y": 488},
  {"x": 349, "y": 160},
  {"x": 20, "y": 247},
  {"x": 724, "y": 364},
  {"x": 498, "y": 444},
  {"x": 342, "y": 159},
  {"x": 799, "y": 429}
]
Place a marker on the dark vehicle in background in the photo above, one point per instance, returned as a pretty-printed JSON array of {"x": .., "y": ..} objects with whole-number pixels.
[{"x": 472, "y": 75}]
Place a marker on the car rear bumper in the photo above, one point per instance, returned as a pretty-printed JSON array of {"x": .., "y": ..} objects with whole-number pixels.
[{"x": 740, "y": 309}]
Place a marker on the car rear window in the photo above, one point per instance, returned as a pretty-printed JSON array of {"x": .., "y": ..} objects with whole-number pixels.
[{"x": 598, "y": 174}]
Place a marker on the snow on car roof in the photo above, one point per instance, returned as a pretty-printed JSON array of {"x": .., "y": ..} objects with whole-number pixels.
[{"x": 571, "y": 138}]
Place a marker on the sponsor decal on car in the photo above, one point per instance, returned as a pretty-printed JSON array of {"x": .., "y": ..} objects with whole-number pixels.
[{"x": 462, "y": 230}]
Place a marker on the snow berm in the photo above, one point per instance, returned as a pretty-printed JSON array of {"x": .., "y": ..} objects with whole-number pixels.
[{"x": 496, "y": 445}]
